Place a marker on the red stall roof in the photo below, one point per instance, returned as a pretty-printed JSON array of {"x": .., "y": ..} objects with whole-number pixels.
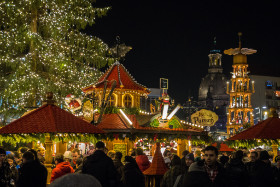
[
  {"x": 124, "y": 80},
  {"x": 267, "y": 129},
  {"x": 49, "y": 119}
]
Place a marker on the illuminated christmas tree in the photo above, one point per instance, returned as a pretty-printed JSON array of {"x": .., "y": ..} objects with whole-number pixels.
[{"x": 43, "y": 48}]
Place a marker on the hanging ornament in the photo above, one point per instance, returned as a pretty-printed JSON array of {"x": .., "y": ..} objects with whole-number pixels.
[
  {"x": 155, "y": 137},
  {"x": 116, "y": 136},
  {"x": 73, "y": 103}
]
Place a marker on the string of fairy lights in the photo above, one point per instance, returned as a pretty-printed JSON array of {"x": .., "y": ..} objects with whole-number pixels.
[{"x": 43, "y": 49}]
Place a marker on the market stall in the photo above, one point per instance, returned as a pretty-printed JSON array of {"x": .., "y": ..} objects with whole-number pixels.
[
  {"x": 49, "y": 124},
  {"x": 266, "y": 132}
]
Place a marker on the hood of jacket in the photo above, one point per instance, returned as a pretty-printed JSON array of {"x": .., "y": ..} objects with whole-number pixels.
[
  {"x": 142, "y": 159},
  {"x": 65, "y": 167},
  {"x": 236, "y": 162},
  {"x": 197, "y": 166},
  {"x": 97, "y": 156},
  {"x": 117, "y": 163}
]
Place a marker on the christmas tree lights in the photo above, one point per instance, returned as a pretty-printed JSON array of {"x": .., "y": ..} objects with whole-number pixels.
[{"x": 43, "y": 49}]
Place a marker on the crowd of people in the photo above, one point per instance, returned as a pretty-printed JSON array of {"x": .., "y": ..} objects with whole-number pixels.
[{"x": 25, "y": 168}]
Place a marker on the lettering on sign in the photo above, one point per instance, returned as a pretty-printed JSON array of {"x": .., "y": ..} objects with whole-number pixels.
[
  {"x": 120, "y": 147},
  {"x": 204, "y": 118}
]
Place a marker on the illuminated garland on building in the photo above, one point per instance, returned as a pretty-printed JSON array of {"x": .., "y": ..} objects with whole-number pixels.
[{"x": 42, "y": 49}]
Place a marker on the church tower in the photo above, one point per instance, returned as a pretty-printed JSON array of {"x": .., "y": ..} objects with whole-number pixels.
[
  {"x": 215, "y": 60},
  {"x": 212, "y": 90},
  {"x": 240, "y": 111}
]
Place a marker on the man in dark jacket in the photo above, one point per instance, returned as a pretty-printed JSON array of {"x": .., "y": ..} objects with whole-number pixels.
[
  {"x": 101, "y": 166},
  {"x": 260, "y": 171},
  {"x": 207, "y": 172},
  {"x": 236, "y": 172},
  {"x": 32, "y": 173}
]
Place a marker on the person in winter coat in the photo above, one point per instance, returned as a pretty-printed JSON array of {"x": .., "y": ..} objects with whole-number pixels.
[
  {"x": 133, "y": 177},
  {"x": 6, "y": 176},
  {"x": 236, "y": 172},
  {"x": 175, "y": 172},
  {"x": 118, "y": 164},
  {"x": 79, "y": 164},
  {"x": 183, "y": 161},
  {"x": 142, "y": 160},
  {"x": 32, "y": 173},
  {"x": 276, "y": 171},
  {"x": 101, "y": 167},
  {"x": 11, "y": 160},
  {"x": 260, "y": 172},
  {"x": 75, "y": 156},
  {"x": 76, "y": 180},
  {"x": 61, "y": 168},
  {"x": 207, "y": 172}
]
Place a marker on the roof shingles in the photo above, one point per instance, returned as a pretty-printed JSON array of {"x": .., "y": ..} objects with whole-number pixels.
[{"x": 49, "y": 119}]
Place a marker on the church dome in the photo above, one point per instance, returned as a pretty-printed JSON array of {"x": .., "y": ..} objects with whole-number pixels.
[{"x": 213, "y": 82}]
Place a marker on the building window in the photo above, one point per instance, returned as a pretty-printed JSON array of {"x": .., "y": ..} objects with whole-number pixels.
[
  {"x": 112, "y": 101},
  {"x": 268, "y": 84},
  {"x": 127, "y": 101}
]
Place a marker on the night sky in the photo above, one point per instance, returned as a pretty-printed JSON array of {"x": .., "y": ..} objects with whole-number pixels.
[{"x": 172, "y": 39}]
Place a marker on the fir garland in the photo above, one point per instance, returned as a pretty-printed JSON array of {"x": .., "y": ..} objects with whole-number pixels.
[
  {"x": 56, "y": 137},
  {"x": 251, "y": 143}
]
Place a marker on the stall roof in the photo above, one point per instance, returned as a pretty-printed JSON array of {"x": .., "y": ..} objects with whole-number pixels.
[
  {"x": 267, "y": 129},
  {"x": 117, "y": 122},
  {"x": 49, "y": 119}
]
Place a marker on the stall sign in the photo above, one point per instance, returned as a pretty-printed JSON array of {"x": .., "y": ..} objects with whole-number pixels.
[
  {"x": 204, "y": 118},
  {"x": 120, "y": 147}
]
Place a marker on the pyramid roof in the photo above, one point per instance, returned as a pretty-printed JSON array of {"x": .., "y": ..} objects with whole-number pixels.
[
  {"x": 123, "y": 78},
  {"x": 158, "y": 166}
]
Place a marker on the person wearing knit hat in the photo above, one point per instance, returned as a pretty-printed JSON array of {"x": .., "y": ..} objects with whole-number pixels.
[
  {"x": 67, "y": 156},
  {"x": 189, "y": 159}
]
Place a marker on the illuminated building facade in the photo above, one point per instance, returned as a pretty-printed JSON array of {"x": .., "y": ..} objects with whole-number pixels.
[{"x": 267, "y": 95}]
